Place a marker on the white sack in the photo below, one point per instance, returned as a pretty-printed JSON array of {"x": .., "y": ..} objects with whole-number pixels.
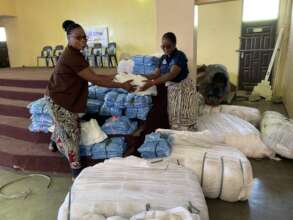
[
  {"x": 120, "y": 187},
  {"x": 277, "y": 133},
  {"x": 138, "y": 81},
  {"x": 125, "y": 66},
  {"x": 91, "y": 133},
  {"x": 235, "y": 132},
  {"x": 249, "y": 114},
  {"x": 224, "y": 171}
]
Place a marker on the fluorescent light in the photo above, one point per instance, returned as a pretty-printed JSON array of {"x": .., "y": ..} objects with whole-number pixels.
[
  {"x": 2, "y": 34},
  {"x": 260, "y": 10}
]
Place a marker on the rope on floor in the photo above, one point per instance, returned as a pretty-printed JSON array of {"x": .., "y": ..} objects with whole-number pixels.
[{"x": 23, "y": 194}]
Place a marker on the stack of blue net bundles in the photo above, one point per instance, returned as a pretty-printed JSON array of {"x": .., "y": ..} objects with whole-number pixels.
[
  {"x": 97, "y": 92},
  {"x": 138, "y": 106},
  {"x": 94, "y": 105},
  {"x": 119, "y": 126},
  {"x": 41, "y": 120},
  {"x": 112, "y": 147},
  {"x": 109, "y": 107},
  {"x": 85, "y": 151},
  {"x": 155, "y": 146},
  {"x": 144, "y": 65}
]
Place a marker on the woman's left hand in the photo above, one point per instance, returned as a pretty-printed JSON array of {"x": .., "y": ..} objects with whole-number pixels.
[{"x": 148, "y": 84}]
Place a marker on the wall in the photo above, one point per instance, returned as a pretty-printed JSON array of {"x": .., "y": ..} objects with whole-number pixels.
[
  {"x": 131, "y": 23},
  {"x": 288, "y": 73},
  {"x": 178, "y": 17},
  {"x": 7, "y": 8},
  {"x": 218, "y": 35}
]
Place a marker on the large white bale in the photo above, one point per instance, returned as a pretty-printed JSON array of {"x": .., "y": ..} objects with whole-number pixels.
[
  {"x": 124, "y": 187},
  {"x": 277, "y": 133},
  {"x": 235, "y": 132},
  {"x": 252, "y": 115},
  {"x": 224, "y": 171}
]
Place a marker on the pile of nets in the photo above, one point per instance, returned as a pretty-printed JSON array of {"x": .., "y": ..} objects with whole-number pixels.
[
  {"x": 144, "y": 65},
  {"x": 155, "y": 146},
  {"x": 119, "y": 126},
  {"x": 41, "y": 120}
]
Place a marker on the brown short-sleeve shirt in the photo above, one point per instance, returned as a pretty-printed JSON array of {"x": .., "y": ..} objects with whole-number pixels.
[{"x": 66, "y": 88}]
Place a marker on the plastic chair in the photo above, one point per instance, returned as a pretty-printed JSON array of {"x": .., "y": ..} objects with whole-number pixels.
[
  {"x": 47, "y": 54},
  {"x": 58, "y": 50},
  {"x": 98, "y": 54},
  {"x": 111, "y": 54}
]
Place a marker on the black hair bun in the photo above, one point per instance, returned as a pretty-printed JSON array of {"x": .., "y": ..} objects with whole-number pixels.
[{"x": 66, "y": 24}]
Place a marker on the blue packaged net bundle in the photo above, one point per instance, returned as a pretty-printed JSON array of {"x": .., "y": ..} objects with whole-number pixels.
[
  {"x": 144, "y": 65},
  {"x": 38, "y": 107},
  {"x": 139, "y": 113},
  {"x": 113, "y": 147},
  {"x": 110, "y": 98},
  {"x": 97, "y": 92},
  {"x": 105, "y": 111},
  {"x": 94, "y": 105},
  {"x": 138, "y": 106},
  {"x": 120, "y": 101},
  {"x": 44, "y": 119},
  {"x": 34, "y": 127},
  {"x": 155, "y": 146},
  {"x": 85, "y": 151},
  {"x": 142, "y": 101},
  {"x": 119, "y": 125}
]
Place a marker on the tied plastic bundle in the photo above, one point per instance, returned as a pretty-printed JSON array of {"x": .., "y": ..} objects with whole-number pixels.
[
  {"x": 138, "y": 106},
  {"x": 125, "y": 66},
  {"x": 113, "y": 147},
  {"x": 277, "y": 133},
  {"x": 94, "y": 105},
  {"x": 109, "y": 107},
  {"x": 38, "y": 107},
  {"x": 119, "y": 126},
  {"x": 97, "y": 92},
  {"x": 249, "y": 114},
  {"x": 145, "y": 65},
  {"x": 224, "y": 171},
  {"x": 137, "y": 81},
  {"x": 235, "y": 132},
  {"x": 155, "y": 146},
  {"x": 41, "y": 120},
  {"x": 124, "y": 186}
]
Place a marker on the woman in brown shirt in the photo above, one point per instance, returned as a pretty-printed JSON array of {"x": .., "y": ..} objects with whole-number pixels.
[{"x": 68, "y": 90}]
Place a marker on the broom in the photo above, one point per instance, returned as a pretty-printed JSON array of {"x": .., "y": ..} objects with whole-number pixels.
[{"x": 264, "y": 89}]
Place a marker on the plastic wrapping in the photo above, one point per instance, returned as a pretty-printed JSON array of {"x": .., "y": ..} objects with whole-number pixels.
[
  {"x": 113, "y": 147},
  {"x": 125, "y": 66},
  {"x": 249, "y": 114},
  {"x": 97, "y": 92},
  {"x": 91, "y": 133},
  {"x": 277, "y": 133},
  {"x": 155, "y": 146},
  {"x": 38, "y": 107},
  {"x": 224, "y": 171},
  {"x": 119, "y": 126},
  {"x": 136, "y": 81},
  {"x": 124, "y": 187},
  {"x": 235, "y": 132},
  {"x": 94, "y": 105}
]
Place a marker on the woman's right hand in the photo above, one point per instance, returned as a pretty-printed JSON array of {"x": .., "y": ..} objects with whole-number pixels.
[{"x": 127, "y": 86}]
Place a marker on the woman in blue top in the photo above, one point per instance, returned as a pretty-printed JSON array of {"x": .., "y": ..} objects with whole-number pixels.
[{"x": 173, "y": 105}]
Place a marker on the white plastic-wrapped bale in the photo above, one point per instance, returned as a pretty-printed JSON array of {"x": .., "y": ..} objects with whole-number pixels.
[
  {"x": 277, "y": 133},
  {"x": 224, "y": 171},
  {"x": 235, "y": 132},
  {"x": 249, "y": 114},
  {"x": 124, "y": 186}
]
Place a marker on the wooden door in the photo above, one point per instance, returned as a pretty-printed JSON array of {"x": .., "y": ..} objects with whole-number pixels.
[
  {"x": 4, "y": 59},
  {"x": 257, "y": 45}
]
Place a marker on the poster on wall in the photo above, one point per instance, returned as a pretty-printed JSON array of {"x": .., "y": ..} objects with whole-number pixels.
[{"x": 97, "y": 35}]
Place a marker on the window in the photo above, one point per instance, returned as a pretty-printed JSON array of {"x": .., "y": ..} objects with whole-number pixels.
[
  {"x": 2, "y": 34},
  {"x": 260, "y": 10}
]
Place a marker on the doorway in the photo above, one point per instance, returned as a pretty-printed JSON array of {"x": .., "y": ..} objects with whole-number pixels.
[
  {"x": 258, "y": 33},
  {"x": 4, "y": 58}
]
